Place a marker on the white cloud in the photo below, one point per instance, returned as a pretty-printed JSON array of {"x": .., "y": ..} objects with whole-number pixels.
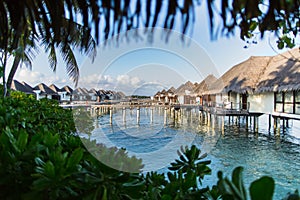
[
  {"x": 96, "y": 81},
  {"x": 27, "y": 75},
  {"x": 125, "y": 83},
  {"x": 33, "y": 78}
]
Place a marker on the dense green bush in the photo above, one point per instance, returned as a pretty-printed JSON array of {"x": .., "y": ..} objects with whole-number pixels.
[{"x": 42, "y": 157}]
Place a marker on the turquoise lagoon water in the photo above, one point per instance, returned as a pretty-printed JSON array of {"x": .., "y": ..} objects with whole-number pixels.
[{"x": 157, "y": 140}]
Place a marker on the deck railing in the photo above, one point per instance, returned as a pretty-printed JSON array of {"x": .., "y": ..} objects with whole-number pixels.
[{"x": 229, "y": 105}]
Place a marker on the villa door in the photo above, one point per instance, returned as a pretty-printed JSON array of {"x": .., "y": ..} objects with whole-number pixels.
[{"x": 244, "y": 101}]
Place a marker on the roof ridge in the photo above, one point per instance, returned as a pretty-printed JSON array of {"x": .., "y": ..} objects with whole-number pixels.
[{"x": 263, "y": 71}]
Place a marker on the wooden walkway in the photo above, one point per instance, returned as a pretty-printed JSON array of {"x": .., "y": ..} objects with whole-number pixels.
[
  {"x": 218, "y": 111},
  {"x": 208, "y": 113}
]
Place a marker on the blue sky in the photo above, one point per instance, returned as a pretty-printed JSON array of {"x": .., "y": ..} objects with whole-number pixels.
[{"x": 143, "y": 68}]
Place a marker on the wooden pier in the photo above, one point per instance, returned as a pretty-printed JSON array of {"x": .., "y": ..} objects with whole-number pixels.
[{"x": 206, "y": 114}]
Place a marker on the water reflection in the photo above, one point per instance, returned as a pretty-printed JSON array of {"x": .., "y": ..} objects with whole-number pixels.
[{"x": 156, "y": 141}]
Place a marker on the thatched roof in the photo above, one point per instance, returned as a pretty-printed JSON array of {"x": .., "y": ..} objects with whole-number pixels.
[
  {"x": 55, "y": 88},
  {"x": 187, "y": 87},
  {"x": 85, "y": 90},
  {"x": 121, "y": 94},
  {"x": 163, "y": 92},
  {"x": 242, "y": 77},
  {"x": 256, "y": 74},
  {"x": 17, "y": 86},
  {"x": 68, "y": 89},
  {"x": 80, "y": 91},
  {"x": 44, "y": 89},
  {"x": 27, "y": 86},
  {"x": 101, "y": 92},
  {"x": 93, "y": 91},
  {"x": 282, "y": 73},
  {"x": 206, "y": 84},
  {"x": 171, "y": 90}
]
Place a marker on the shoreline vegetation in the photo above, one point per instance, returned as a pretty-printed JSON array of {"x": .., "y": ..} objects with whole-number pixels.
[{"x": 42, "y": 157}]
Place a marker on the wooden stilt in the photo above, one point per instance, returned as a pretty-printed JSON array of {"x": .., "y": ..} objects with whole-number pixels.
[
  {"x": 151, "y": 114},
  {"x": 270, "y": 121},
  {"x": 138, "y": 115},
  {"x": 213, "y": 121},
  {"x": 124, "y": 115},
  {"x": 256, "y": 124},
  {"x": 110, "y": 115},
  {"x": 276, "y": 126},
  {"x": 223, "y": 123},
  {"x": 247, "y": 125},
  {"x": 165, "y": 116}
]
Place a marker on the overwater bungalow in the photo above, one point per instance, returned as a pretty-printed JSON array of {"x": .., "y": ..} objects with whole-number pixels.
[
  {"x": 27, "y": 86},
  {"x": 110, "y": 94},
  {"x": 277, "y": 91},
  {"x": 94, "y": 95},
  {"x": 156, "y": 97},
  {"x": 233, "y": 89},
  {"x": 160, "y": 96},
  {"x": 43, "y": 91},
  {"x": 17, "y": 86},
  {"x": 202, "y": 88},
  {"x": 68, "y": 95},
  {"x": 119, "y": 95},
  {"x": 80, "y": 94},
  {"x": 186, "y": 93},
  {"x": 261, "y": 85},
  {"x": 102, "y": 95},
  {"x": 166, "y": 97},
  {"x": 171, "y": 97},
  {"x": 63, "y": 94}
]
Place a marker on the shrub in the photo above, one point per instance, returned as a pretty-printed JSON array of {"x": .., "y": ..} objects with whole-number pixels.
[{"x": 42, "y": 157}]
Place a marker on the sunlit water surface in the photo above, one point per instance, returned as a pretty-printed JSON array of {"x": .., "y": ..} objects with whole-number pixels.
[{"x": 156, "y": 143}]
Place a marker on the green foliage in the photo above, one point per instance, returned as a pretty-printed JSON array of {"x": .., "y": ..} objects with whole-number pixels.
[
  {"x": 260, "y": 189},
  {"x": 253, "y": 17},
  {"x": 184, "y": 181},
  {"x": 293, "y": 196},
  {"x": 285, "y": 41},
  {"x": 83, "y": 120},
  {"x": 41, "y": 157},
  {"x": 234, "y": 188}
]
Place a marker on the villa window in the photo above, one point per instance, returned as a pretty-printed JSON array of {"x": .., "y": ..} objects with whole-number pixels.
[
  {"x": 287, "y": 102},
  {"x": 278, "y": 102},
  {"x": 297, "y": 102},
  {"x": 288, "y": 106}
]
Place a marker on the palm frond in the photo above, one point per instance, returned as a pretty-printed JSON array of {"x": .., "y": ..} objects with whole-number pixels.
[
  {"x": 71, "y": 62},
  {"x": 52, "y": 58}
]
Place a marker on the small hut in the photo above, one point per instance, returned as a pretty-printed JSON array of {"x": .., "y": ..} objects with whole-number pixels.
[
  {"x": 202, "y": 88},
  {"x": 81, "y": 94},
  {"x": 233, "y": 88},
  {"x": 17, "y": 86},
  {"x": 186, "y": 93},
  {"x": 69, "y": 93},
  {"x": 61, "y": 92},
  {"x": 43, "y": 91},
  {"x": 279, "y": 85}
]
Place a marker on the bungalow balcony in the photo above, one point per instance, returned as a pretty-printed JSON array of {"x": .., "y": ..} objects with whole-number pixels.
[{"x": 227, "y": 108}]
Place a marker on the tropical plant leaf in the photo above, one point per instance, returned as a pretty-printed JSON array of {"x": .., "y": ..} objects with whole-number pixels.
[{"x": 262, "y": 189}]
